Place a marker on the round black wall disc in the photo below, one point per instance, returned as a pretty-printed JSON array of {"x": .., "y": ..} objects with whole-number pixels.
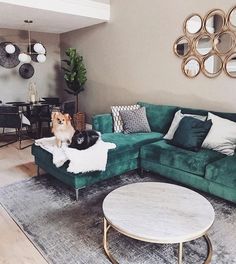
[
  {"x": 26, "y": 70},
  {"x": 8, "y": 60}
]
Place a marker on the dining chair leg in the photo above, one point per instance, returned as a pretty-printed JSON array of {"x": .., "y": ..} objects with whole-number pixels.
[{"x": 19, "y": 138}]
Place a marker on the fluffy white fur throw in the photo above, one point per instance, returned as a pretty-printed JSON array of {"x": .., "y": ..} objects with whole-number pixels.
[{"x": 91, "y": 159}]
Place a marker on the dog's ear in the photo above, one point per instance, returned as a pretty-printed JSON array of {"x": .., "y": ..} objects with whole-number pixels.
[
  {"x": 54, "y": 115},
  {"x": 67, "y": 117}
]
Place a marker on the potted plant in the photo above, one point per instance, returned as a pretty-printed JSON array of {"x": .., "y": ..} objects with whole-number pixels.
[{"x": 75, "y": 77}]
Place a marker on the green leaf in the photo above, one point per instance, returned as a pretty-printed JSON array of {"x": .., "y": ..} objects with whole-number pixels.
[{"x": 75, "y": 74}]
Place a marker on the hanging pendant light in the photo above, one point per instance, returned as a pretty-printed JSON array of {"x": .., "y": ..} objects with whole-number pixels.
[
  {"x": 25, "y": 58},
  {"x": 41, "y": 58},
  {"x": 11, "y": 55},
  {"x": 36, "y": 51},
  {"x": 39, "y": 48},
  {"x": 10, "y": 48}
]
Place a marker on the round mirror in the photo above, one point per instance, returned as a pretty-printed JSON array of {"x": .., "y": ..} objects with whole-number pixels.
[
  {"x": 182, "y": 46},
  {"x": 212, "y": 65},
  {"x": 191, "y": 67},
  {"x": 214, "y": 21},
  {"x": 193, "y": 24},
  {"x": 224, "y": 42},
  {"x": 230, "y": 65},
  {"x": 203, "y": 44},
  {"x": 231, "y": 19}
]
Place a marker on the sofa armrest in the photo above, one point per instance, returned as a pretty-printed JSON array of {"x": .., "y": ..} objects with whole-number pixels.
[{"x": 103, "y": 123}]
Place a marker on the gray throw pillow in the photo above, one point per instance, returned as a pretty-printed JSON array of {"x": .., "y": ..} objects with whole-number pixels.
[{"x": 135, "y": 121}]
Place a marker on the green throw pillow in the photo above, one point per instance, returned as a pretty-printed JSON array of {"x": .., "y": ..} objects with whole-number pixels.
[{"x": 191, "y": 133}]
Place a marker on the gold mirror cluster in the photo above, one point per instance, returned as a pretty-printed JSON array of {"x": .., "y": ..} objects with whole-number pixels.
[{"x": 208, "y": 44}]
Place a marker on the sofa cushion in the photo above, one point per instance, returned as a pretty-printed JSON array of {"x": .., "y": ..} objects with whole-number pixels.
[
  {"x": 176, "y": 121},
  {"x": 171, "y": 156},
  {"x": 135, "y": 121},
  {"x": 223, "y": 171},
  {"x": 117, "y": 120},
  {"x": 128, "y": 144},
  {"x": 159, "y": 116},
  {"x": 191, "y": 133},
  {"x": 230, "y": 116},
  {"x": 222, "y": 135}
]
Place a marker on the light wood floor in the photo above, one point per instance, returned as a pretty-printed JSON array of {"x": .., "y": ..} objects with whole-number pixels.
[{"x": 15, "y": 248}]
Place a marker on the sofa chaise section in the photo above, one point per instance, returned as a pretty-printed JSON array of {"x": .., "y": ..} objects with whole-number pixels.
[{"x": 124, "y": 158}]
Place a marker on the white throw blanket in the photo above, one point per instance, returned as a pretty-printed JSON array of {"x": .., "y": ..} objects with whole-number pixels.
[{"x": 91, "y": 159}]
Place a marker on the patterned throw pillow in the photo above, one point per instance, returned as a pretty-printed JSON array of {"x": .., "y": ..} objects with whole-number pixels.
[
  {"x": 135, "y": 121},
  {"x": 115, "y": 110}
]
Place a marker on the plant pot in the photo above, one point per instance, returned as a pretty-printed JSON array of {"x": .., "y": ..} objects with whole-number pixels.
[{"x": 79, "y": 121}]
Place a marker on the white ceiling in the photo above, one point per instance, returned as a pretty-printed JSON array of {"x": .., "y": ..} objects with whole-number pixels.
[{"x": 53, "y": 16}]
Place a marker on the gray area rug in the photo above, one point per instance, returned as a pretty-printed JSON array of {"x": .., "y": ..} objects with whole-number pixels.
[{"x": 69, "y": 232}]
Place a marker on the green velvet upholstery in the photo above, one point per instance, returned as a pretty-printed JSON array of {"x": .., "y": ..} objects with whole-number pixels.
[
  {"x": 103, "y": 123},
  {"x": 127, "y": 146},
  {"x": 159, "y": 116},
  {"x": 126, "y": 142},
  {"x": 205, "y": 170},
  {"x": 190, "y": 179},
  {"x": 194, "y": 162},
  {"x": 121, "y": 159},
  {"x": 223, "y": 171},
  {"x": 44, "y": 160},
  {"x": 230, "y": 116}
]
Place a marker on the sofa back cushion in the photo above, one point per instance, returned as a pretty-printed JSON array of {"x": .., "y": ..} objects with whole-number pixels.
[
  {"x": 230, "y": 116},
  {"x": 159, "y": 116},
  {"x": 103, "y": 123}
]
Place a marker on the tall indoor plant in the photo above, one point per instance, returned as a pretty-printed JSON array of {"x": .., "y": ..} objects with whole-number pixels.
[{"x": 75, "y": 74}]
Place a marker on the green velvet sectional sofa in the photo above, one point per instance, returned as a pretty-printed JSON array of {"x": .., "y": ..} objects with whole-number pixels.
[{"x": 206, "y": 170}]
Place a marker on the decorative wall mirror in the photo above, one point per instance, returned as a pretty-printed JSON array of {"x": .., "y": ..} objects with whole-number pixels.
[
  {"x": 203, "y": 44},
  {"x": 214, "y": 21},
  {"x": 182, "y": 46},
  {"x": 230, "y": 65},
  {"x": 191, "y": 67},
  {"x": 231, "y": 19},
  {"x": 193, "y": 24},
  {"x": 224, "y": 42},
  {"x": 209, "y": 44},
  {"x": 212, "y": 65}
]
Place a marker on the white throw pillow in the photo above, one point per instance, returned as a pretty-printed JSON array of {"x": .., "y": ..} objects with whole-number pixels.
[
  {"x": 117, "y": 120},
  {"x": 222, "y": 135},
  {"x": 175, "y": 123}
]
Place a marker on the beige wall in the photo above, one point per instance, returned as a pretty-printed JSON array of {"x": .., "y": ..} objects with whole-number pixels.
[
  {"x": 47, "y": 75},
  {"x": 131, "y": 58}
]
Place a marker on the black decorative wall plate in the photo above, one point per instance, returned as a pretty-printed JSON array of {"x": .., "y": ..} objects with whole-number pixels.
[
  {"x": 8, "y": 60},
  {"x": 26, "y": 71}
]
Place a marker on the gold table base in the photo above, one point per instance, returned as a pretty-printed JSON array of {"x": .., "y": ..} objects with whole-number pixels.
[{"x": 107, "y": 227}]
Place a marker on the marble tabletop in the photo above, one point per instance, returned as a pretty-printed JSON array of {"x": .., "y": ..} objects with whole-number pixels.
[{"x": 158, "y": 212}]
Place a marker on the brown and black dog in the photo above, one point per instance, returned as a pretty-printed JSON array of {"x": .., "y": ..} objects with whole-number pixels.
[{"x": 62, "y": 128}]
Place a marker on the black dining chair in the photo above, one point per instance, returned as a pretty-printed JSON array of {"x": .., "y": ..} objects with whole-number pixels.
[
  {"x": 55, "y": 101},
  {"x": 12, "y": 118},
  {"x": 68, "y": 107},
  {"x": 51, "y": 104}
]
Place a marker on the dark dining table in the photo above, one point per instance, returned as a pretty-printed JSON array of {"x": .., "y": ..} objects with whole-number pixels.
[{"x": 33, "y": 111}]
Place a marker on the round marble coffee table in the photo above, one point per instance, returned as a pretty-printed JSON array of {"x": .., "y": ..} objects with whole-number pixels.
[{"x": 158, "y": 213}]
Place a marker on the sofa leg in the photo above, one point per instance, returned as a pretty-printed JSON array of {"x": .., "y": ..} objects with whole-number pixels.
[
  {"x": 38, "y": 172},
  {"x": 77, "y": 194}
]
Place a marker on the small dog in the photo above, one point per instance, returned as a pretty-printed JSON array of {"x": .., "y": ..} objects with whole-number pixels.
[{"x": 62, "y": 128}]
